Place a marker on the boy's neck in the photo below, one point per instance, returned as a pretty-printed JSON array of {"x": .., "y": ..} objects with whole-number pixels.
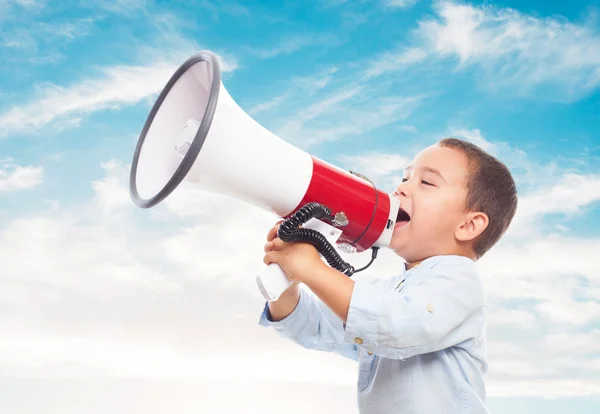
[
  {"x": 466, "y": 253},
  {"x": 413, "y": 264}
]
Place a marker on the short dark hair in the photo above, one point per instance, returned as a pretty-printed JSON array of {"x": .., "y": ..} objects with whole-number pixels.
[{"x": 491, "y": 189}]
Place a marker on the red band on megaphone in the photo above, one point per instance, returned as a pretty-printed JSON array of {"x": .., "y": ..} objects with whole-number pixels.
[{"x": 366, "y": 207}]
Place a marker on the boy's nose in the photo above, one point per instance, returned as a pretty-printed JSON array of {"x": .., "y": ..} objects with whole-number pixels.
[{"x": 401, "y": 190}]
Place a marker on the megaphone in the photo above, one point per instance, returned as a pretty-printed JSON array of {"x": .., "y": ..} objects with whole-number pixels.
[{"x": 196, "y": 132}]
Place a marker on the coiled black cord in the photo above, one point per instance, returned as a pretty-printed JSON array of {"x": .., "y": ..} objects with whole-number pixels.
[{"x": 290, "y": 231}]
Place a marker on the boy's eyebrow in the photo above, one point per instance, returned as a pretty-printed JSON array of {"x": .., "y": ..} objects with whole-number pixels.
[{"x": 431, "y": 170}]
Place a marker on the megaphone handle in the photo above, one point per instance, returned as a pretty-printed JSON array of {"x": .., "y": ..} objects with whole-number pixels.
[{"x": 272, "y": 282}]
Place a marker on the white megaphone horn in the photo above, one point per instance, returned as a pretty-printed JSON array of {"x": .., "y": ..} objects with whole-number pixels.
[{"x": 195, "y": 131}]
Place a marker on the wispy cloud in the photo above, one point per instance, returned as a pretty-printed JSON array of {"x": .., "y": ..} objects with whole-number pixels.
[
  {"x": 265, "y": 106},
  {"x": 332, "y": 3},
  {"x": 529, "y": 174},
  {"x": 476, "y": 137},
  {"x": 516, "y": 52},
  {"x": 115, "y": 86},
  {"x": 399, "y": 4},
  {"x": 290, "y": 44},
  {"x": 388, "y": 4},
  {"x": 347, "y": 119},
  {"x": 31, "y": 3},
  {"x": 228, "y": 7},
  {"x": 15, "y": 177},
  {"x": 70, "y": 29},
  {"x": 351, "y": 105},
  {"x": 39, "y": 42},
  {"x": 307, "y": 86},
  {"x": 123, "y": 7},
  {"x": 384, "y": 169},
  {"x": 570, "y": 195},
  {"x": 390, "y": 62},
  {"x": 109, "y": 87}
]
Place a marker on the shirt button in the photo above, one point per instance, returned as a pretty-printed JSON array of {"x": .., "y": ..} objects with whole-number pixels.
[
  {"x": 370, "y": 353},
  {"x": 358, "y": 340},
  {"x": 430, "y": 307}
]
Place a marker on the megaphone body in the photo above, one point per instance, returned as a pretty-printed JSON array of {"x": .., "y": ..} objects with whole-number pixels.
[{"x": 196, "y": 132}]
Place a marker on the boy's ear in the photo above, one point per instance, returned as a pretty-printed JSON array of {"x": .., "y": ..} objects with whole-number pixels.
[{"x": 473, "y": 225}]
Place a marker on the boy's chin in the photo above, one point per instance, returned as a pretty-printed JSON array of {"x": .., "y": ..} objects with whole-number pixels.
[
  {"x": 402, "y": 247},
  {"x": 399, "y": 247}
]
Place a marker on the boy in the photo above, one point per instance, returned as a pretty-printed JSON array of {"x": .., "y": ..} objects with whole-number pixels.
[{"x": 419, "y": 338}]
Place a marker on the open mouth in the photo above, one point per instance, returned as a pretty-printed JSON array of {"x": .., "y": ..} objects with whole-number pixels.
[{"x": 402, "y": 217}]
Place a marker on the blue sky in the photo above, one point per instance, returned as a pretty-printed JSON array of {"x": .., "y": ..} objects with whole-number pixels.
[{"x": 362, "y": 84}]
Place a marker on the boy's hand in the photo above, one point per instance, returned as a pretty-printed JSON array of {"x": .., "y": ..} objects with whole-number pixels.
[{"x": 298, "y": 260}]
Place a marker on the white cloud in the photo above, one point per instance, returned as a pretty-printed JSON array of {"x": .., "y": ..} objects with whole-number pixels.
[
  {"x": 512, "y": 317},
  {"x": 119, "y": 85},
  {"x": 291, "y": 44},
  {"x": 111, "y": 192},
  {"x": 15, "y": 177},
  {"x": 132, "y": 293},
  {"x": 306, "y": 86},
  {"x": 561, "y": 343},
  {"x": 516, "y": 52},
  {"x": 474, "y": 136},
  {"x": 125, "y": 7},
  {"x": 265, "y": 106},
  {"x": 399, "y": 4},
  {"x": 104, "y": 88},
  {"x": 390, "y": 62},
  {"x": 69, "y": 30},
  {"x": 219, "y": 7},
  {"x": 29, "y": 39},
  {"x": 151, "y": 396},
  {"x": 32, "y": 4},
  {"x": 351, "y": 104},
  {"x": 115, "y": 358},
  {"x": 384, "y": 169},
  {"x": 572, "y": 193},
  {"x": 354, "y": 117},
  {"x": 116, "y": 86},
  {"x": 571, "y": 312}
]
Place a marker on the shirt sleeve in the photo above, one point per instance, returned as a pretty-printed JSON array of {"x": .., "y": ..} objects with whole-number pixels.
[
  {"x": 444, "y": 308},
  {"x": 312, "y": 325}
]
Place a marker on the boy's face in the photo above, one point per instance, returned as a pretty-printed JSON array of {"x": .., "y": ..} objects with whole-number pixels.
[{"x": 434, "y": 201}]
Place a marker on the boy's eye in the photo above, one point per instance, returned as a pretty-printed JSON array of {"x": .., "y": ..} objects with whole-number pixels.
[
  {"x": 404, "y": 180},
  {"x": 426, "y": 183}
]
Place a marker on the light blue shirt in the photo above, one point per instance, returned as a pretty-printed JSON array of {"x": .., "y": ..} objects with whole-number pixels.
[{"x": 419, "y": 338}]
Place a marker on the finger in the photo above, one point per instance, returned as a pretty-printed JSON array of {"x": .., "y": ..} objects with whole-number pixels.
[
  {"x": 277, "y": 243},
  {"x": 270, "y": 257},
  {"x": 268, "y": 247},
  {"x": 273, "y": 231},
  {"x": 272, "y": 234}
]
